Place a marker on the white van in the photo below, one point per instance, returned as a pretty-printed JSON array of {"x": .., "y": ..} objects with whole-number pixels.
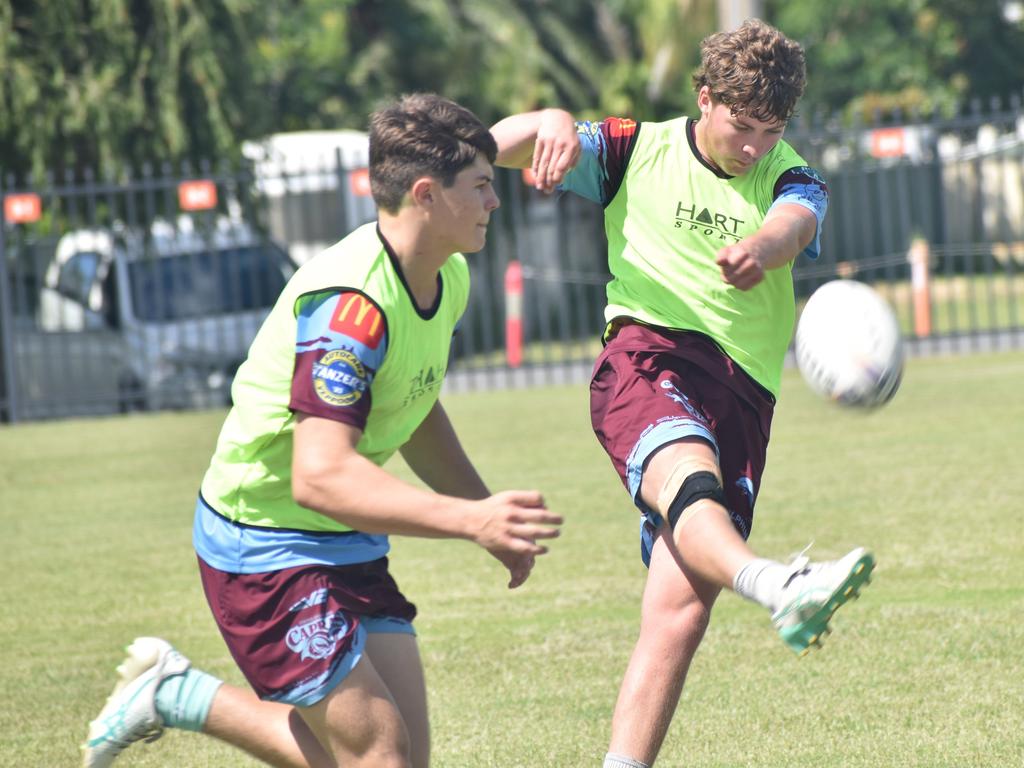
[
  {"x": 168, "y": 314},
  {"x": 315, "y": 186}
]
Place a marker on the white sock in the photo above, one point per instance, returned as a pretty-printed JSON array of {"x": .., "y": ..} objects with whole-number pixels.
[
  {"x": 611, "y": 760},
  {"x": 761, "y": 581}
]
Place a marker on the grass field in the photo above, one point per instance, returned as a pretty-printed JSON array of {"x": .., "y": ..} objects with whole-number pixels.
[{"x": 927, "y": 669}]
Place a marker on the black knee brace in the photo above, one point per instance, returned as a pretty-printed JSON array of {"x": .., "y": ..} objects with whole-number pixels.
[{"x": 699, "y": 485}]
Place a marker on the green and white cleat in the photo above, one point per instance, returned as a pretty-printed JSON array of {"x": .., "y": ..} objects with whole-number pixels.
[
  {"x": 812, "y": 594},
  {"x": 130, "y": 712}
]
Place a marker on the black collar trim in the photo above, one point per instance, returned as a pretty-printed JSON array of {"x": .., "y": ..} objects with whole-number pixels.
[
  {"x": 691, "y": 137},
  {"x": 429, "y": 312}
]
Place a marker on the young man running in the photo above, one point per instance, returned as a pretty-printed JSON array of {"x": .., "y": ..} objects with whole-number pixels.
[
  {"x": 292, "y": 523},
  {"x": 704, "y": 218}
]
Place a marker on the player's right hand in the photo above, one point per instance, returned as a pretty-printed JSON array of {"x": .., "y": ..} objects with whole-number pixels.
[
  {"x": 509, "y": 527},
  {"x": 741, "y": 264},
  {"x": 556, "y": 150}
]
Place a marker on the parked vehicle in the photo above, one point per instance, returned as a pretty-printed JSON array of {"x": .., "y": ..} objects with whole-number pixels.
[
  {"x": 315, "y": 186},
  {"x": 163, "y": 318}
]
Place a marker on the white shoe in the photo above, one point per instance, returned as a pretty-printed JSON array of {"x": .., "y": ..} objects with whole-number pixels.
[
  {"x": 813, "y": 593},
  {"x": 130, "y": 712}
]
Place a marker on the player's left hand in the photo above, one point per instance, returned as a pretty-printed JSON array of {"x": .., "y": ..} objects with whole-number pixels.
[
  {"x": 740, "y": 265},
  {"x": 510, "y": 525}
]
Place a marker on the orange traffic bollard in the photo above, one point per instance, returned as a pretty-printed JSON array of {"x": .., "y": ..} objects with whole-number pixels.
[
  {"x": 920, "y": 284},
  {"x": 514, "y": 314}
]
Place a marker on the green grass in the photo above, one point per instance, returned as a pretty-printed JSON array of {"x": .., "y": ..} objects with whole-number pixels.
[{"x": 924, "y": 670}]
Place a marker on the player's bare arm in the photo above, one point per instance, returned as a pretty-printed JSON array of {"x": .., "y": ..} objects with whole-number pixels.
[
  {"x": 435, "y": 454},
  {"x": 544, "y": 141},
  {"x": 786, "y": 231},
  {"x": 331, "y": 477}
]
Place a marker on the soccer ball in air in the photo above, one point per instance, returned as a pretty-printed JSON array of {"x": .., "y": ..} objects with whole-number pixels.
[{"x": 848, "y": 345}]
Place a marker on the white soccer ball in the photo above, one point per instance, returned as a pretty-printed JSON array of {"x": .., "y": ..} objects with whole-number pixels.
[{"x": 848, "y": 345}]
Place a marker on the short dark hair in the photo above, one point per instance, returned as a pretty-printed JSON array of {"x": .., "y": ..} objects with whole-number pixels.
[
  {"x": 422, "y": 134},
  {"x": 754, "y": 70}
]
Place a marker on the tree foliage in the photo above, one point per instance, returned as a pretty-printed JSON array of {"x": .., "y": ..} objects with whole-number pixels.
[
  {"x": 879, "y": 56},
  {"x": 107, "y": 84},
  {"x": 110, "y": 83}
]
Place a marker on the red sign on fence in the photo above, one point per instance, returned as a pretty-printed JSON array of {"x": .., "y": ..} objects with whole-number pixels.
[
  {"x": 198, "y": 195},
  {"x": 23, "y": 209},
  {"x": 888, "y": 142},
  {"x": 359, "y": 182}
]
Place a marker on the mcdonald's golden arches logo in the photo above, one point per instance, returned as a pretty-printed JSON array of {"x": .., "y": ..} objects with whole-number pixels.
[{"x": 356, "y": 316}]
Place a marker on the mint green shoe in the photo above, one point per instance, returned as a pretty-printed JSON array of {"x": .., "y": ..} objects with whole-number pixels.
[
  {"x": 130, "y": 712},
  {"x": 814, "y": 592}
]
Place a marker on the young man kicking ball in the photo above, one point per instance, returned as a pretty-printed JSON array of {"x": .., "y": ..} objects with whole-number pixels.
[{"x": 704, "y": 218}]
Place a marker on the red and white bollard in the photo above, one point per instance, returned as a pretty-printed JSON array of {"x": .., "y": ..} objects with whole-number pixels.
[
  {"x": 514, "y": 314},
  {"x": 920, "y": 282}
]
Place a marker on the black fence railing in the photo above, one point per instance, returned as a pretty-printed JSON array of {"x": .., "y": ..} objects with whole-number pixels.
[{"x": 145, "y": 292}]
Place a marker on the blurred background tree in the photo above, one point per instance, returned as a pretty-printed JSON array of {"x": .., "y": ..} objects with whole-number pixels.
[
  {"x": 867, "y": 57},
  {"x": 109, "y": 84}
]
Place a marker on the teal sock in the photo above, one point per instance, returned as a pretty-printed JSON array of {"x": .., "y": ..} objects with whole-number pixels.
[{"x": 183, "y": 701}]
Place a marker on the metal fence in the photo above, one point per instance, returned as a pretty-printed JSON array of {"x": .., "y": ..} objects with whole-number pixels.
[
  {"x": 144, "y": 292},
  {"x": 932, "y": 214}
]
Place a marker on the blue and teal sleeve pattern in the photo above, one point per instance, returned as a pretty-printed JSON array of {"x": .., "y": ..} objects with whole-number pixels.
[
  {"x": 341, "y": 342},
  {"x": 605, "y": 148},
  {"x": 804, "y": 186}
]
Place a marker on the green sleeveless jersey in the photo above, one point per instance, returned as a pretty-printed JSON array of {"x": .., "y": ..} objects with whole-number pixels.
[
  {"x": 666, "y": 223},
  {"x": 344, "y": 341}
]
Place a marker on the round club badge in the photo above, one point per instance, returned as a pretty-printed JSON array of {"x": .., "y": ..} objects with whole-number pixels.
[{"x": 339, "y": 378}]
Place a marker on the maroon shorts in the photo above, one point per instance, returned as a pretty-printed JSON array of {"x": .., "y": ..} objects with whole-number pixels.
[
  {"x": 296, "y": 633},
  {"x": 652, "y": 387}
]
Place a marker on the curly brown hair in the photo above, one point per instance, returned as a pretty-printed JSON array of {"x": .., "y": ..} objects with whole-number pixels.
[
  {"x": 754, "y": 70},
  {"x": 422, "y": 134}
]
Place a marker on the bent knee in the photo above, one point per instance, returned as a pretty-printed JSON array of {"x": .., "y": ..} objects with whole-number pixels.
[
  {"x": 684, "y": 623},
  {"x": 389, "y": 747},
  {"x": 382, "y": 753},
  {"x": 373, "y": 736},
  {"x": 386, "y": 759},
  {"x": 692, "y": 618}
]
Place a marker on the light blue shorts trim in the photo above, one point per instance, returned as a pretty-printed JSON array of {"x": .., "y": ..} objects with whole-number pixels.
[
  {"x": 653, "y": 438},
  {"x": 316, "y": 690},
  {"x": 385, "y": 625}
]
